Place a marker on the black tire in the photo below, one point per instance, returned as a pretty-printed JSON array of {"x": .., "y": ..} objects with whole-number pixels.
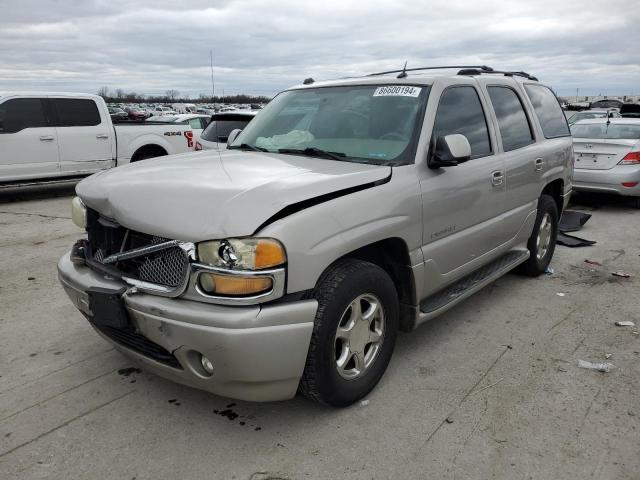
[
  {"x": 338, "y": 287},
  {"x": 636, "y": 202},
  {"x": 535, "y": 266}
]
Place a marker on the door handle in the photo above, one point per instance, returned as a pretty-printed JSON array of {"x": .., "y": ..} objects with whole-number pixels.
[
  {"x": 46, "y": 138},
  {"x": 497, "y": 178},
  {"x": 538, "y": 164},
  {"x": 102, "y": 135}
]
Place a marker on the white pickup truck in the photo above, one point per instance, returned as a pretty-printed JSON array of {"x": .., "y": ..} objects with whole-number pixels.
[{"x": 46, "y": 136}]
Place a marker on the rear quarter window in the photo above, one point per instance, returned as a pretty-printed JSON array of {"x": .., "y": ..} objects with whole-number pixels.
[
  {"x": 76, "y": 112},
  {"x": 512, "y": 120},
  {"x": 548, "y": 111}
]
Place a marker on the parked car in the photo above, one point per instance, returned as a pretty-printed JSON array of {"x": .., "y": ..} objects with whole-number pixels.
[
  {"x": 47, "y": 135},
  {"x": 214, "y": 137},
  {"x": 136, "y": 113},
  {"x": 630, "y": 110},
  {"x": 606, "y": 104},
  {"x": 197, "y": 123},
  {"x": 344, "y": 212},
  {"x": 184, "y": 107},
  {"x": 607, "y": 156},
  {"x": 159, "y": 111},
  {"x": 587, "y": 114},
  {"x": 117, "y": 114}
]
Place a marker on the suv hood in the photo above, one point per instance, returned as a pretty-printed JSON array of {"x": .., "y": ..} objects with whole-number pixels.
[{"x": 205, "y": 196}]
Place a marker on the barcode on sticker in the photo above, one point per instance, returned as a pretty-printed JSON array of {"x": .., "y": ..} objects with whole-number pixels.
[{"x": 397, "y": 91}]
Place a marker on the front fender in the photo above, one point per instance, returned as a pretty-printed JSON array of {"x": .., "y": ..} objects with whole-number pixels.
[{"x": 319, "y": 235}]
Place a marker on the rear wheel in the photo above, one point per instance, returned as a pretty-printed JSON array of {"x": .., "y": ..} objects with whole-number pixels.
[
  {"x": 354, "y": 333},
  {"x": 542, "y": 242}
]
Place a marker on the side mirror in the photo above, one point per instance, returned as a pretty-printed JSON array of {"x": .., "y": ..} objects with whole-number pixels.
[
  {"x": 450, "y": 151},
  {"x": 233, "y": 135}
]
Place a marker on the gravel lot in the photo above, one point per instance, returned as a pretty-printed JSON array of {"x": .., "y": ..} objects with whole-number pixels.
[{"x": 489, "y": 390}]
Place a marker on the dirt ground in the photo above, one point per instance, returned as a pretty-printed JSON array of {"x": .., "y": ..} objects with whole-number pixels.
[{"x": 491, "y": 389}]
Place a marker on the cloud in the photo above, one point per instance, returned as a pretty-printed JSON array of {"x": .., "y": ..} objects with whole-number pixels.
[{"x": 261, "y": 46}]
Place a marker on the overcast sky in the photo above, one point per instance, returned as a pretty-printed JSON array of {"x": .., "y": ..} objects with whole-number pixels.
[{"x": 261, "y": 47}]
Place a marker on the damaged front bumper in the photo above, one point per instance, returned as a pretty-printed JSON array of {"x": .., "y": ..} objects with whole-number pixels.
[{"x": 258, "y": 352}]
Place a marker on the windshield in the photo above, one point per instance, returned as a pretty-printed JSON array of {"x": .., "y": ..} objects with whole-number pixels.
[
  {"x": 615, "y": 131},
  {"x": 372, "y": 124}
]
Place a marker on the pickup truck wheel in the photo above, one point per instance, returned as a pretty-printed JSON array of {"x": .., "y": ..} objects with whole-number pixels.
[
  {"x": 354, "y": 333},
  {"x": 542, "y": 242}
]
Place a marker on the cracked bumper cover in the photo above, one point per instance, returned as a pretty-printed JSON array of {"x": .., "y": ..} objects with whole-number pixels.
[{"x": 258, "y": 352}]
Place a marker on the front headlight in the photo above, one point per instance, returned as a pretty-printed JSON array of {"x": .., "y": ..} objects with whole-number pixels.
[
  {"x": 79, "y": 213},
  {"x": 243, "y": 267},
  {"x": 243, "y": 253}
]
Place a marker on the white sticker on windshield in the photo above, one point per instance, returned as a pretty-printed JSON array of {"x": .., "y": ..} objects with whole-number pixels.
[{"x": 397, "y": 91}]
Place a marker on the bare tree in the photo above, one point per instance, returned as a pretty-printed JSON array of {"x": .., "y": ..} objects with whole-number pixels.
[
  {"x": 172, "y": 94},
  {"x": 120, "y": 93},
  {"x": 103, "y": 92}
]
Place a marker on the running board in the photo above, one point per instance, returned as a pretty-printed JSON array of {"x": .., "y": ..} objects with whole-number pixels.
[{"x": 466, "y": 286}]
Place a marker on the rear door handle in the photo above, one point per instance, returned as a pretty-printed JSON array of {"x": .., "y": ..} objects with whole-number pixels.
[
  {"x": 102, "y": 135},
  {"x": 539, "y": 163},
  {"x": 46, "y": 138},
  {"x": 497, "y": 178}
]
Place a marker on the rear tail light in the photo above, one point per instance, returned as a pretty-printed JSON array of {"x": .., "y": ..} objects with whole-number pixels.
[
  {"x": 629, "y": 184},
  {"x": 189, "y": 137},
  {"x": 631, "y": 158},
  {"x": 198, "y": 146}
]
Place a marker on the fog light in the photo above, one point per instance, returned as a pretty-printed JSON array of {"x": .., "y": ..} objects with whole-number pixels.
[{"x": 206, "y": 364}]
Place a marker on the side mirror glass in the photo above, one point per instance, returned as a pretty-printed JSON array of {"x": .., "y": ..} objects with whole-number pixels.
[
  {"x": 233, "y": 135},
  {"x": 450, "y": 150}
]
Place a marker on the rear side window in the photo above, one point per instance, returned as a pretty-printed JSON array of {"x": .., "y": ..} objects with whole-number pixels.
[
  {"x": 512, "y": 121},
  {"x": 220, "y": 127},
  {"x": 548, "y": 111},
  {"x": 460, "y": 111},
  {"x": 21, "y": 113},
  {"x": 76, "y": 112}
]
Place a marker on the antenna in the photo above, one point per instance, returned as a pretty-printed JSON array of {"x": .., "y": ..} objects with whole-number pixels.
[
  {"x": 213, "y": 85},
  {"x": 403, "y": 73}
]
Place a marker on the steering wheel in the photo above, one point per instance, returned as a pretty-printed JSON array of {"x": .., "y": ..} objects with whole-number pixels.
[{"x": 393, "y": 136}]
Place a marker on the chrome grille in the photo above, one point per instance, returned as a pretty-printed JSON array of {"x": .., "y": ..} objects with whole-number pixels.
[{"x": 168, "y": 268}]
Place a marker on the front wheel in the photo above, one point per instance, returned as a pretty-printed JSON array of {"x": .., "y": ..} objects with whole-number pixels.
[
  {"x": 354, "y": 333},
  {"x": 542, "y": 242}
]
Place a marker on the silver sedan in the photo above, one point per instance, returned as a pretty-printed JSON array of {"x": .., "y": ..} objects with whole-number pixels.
[{"x": 607, "y": 156}]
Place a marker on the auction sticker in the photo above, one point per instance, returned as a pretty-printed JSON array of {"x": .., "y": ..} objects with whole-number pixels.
[{"x": 397, "y": 91}]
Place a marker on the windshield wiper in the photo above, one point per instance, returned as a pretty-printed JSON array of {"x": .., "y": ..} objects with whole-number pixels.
[
  {"x": 315, "y": 152},
  {"x": 247, "y": 146}
]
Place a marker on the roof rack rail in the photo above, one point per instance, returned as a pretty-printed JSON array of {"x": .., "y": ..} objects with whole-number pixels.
[
  {"x": 476, "y": 71},
  {"x": 482, "y": 68}
]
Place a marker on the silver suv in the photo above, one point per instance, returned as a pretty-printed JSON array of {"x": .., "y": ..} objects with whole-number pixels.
[{"x": 345, "y": 211}]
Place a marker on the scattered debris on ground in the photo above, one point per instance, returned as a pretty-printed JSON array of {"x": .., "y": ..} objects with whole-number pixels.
[
  {"x": 625, "y": 323},
  {"x": 621, "y": 274},
  {"x": 593, "y": 262},
  {"x": 572, "y": 221},
  {"x": 560, "y": 294},
  {"x": 549, "y": 270},
  {"x": 604, "y": 367}
]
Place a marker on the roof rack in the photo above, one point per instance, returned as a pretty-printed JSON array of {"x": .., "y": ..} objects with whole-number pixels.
[
  {"x": 476, "y": 67},
  {"x": 463, "y": 70},
  {"x": 479, "y": 71}
]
